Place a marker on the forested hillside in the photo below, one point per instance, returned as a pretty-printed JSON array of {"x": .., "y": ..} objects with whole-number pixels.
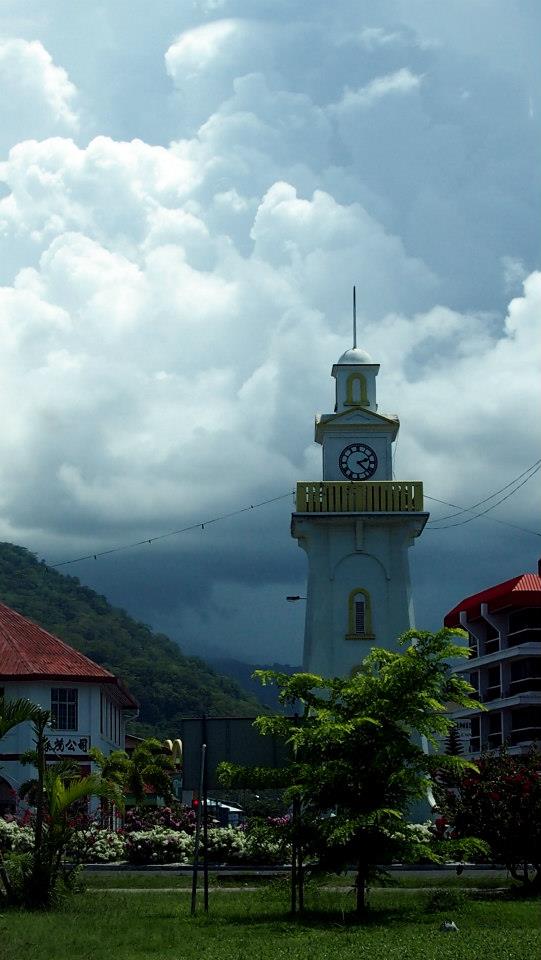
[
  {"x": 167, "y": 684},
  {"x": 242, "y": 673}
]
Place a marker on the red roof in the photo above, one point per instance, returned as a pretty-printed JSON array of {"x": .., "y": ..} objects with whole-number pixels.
[
  {"x": 522, "y": 591},
  {"x": 28, "y": 651}
]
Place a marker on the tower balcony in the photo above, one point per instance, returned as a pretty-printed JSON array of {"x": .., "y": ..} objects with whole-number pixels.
[{"x": 360, "y": 496}]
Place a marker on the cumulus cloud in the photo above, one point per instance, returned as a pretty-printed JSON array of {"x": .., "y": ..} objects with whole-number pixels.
[
  {"x": 399, "y": 83},
  {"x": 171, "y": 310},
  {"x": 38, "y": 97}
]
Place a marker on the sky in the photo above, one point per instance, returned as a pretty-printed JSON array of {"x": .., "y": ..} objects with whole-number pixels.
[{"x": 188, "y": 192}]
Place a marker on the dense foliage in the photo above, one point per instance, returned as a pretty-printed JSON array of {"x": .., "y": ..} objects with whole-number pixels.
[
  {"x": 358, "y": 764},
  {"x": 147, "y": 767},
  {"x": 259, "y": 843},
  {"x": 167, "y": 684},
  {"x": 38, "y": 877},
  {"x": 501, "y": 802}
]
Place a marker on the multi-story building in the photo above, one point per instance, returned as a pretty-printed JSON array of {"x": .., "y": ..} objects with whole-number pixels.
[
  {"x": 504, "y": 628},
  {"x": 89, "y": 706}
]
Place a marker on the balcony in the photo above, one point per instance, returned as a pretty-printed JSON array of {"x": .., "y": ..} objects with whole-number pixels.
[
  {"x": 360, "y": 496},
  {"x": 526, "y": 635}
]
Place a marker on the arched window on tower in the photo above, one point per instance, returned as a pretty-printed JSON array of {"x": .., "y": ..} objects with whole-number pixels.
[
  {"x": 359, "y": 615},
  {"x": 356, "y": 391}
]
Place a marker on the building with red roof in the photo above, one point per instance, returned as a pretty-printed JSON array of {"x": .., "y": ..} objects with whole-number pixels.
[
  {"x": 503, "y": 623},
  {"x": 89, "y": 706}
]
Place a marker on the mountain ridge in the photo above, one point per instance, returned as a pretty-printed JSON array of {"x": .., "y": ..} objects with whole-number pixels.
[{"x": 167, "y": 683}]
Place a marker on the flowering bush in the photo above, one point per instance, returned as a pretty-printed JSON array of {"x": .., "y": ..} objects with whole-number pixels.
[
  {"x": 174, "y": 817},
  {"x": 14, "y": 838},
  {"x": 159, "y": 845},
  {"x": 95, "y": 845},
  {"x": 226, "y": 845},
  {"x": 268, "y": 841},
  {"x": 501, "y": 804}
]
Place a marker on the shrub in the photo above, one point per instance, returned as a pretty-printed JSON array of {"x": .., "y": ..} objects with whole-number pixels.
[
  {"x": 14, "y": 838},
  {"x": 159, "y": 845},
  {"x": 95, "y": 845},
  {"x": 268, "y": 841},
  {"x": 226, "y": 845},
  {"x": 174, "y": 817}
]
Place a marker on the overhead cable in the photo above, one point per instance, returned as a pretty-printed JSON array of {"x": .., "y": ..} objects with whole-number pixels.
[
  {"x": 201, "y": 524},
  {"x": 460, "y": 510}
]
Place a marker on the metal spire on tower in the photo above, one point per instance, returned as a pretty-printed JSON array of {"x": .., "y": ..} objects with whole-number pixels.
[{"x": 354, "y": 319}]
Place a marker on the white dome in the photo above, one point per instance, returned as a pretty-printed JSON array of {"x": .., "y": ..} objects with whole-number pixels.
[{"x": 355, "y": 355}]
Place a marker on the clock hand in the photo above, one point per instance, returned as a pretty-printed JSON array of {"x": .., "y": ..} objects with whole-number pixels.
[{"x": 363, "y": 463}]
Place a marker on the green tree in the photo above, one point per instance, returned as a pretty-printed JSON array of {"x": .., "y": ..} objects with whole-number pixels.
[
  {"x": 148, "y": 766},
  {"x": 501, "y": 803},
  {"x": 358, "y": 763},
  {"x": 453, "y": 743},
  {"x": 14, "y": 712},
  {"x": 62, "y": 796}
]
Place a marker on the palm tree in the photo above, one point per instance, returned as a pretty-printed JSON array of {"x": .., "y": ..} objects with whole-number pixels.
[
  {"x": 62, "y": 792},
  {"x": 13, "y": 712},
  {"x": 148, "y": 766},
  {"x": 56, "y": 790}
]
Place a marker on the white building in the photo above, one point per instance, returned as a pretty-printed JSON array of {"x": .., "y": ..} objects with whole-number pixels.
[
  {"x": 88, "y": 705},
  {"x": 356, "y": 526},
  {"x": 504, "y": 628}
]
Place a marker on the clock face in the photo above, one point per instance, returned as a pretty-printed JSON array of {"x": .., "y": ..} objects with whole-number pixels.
[{"x": 358, "y": 461}]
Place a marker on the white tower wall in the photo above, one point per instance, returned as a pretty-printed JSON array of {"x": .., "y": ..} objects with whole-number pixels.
[{"x": 356, "y": 532}]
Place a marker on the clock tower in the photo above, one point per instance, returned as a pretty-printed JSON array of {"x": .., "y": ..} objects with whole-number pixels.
[{"x": 356, "y": 527}]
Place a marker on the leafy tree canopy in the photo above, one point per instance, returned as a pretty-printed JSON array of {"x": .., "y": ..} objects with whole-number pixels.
[{"x": 358, "y": 763}]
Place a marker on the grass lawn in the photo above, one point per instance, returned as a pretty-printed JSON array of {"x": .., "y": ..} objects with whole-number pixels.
[
  {"x": 255, "y": 926},
  {"x": 100, "y": 880}
]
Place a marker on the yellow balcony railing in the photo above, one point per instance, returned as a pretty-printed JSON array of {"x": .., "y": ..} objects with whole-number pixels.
[{"x": 360, "y": 496}]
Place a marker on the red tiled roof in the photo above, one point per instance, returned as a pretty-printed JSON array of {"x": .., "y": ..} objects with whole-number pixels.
[
  {"x": 28, "y": 651},
  {"x": 523, "y": 591}
]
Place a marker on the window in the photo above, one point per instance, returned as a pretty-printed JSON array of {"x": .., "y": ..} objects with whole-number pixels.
[
  {"x": 64, "y": 703},
  {"x": 492, "y": 639},
  {"x": 494, "y": 730},
  {"x": 493, "y": 687},
  {"x": 526, "y": 675},
  {"x": 475, "y": 735},
  {"x": 356, "y": 394},
  {"x": 473, "y": 645},
  {"x": 359, "y": 616}
]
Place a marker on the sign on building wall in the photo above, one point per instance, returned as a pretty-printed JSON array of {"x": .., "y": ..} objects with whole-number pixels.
[{"x": 74, "y": 743}]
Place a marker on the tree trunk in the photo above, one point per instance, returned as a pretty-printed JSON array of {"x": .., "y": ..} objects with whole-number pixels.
[
  {"x": 360, "y": 889},
  {"x": 40, "y": 882}
]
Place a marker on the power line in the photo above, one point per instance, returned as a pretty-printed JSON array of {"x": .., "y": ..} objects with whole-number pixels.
[
  {"x": 486, "y": 499},
  {"x": 476, "y": 516},
  {"x": 201, "y": 524}
]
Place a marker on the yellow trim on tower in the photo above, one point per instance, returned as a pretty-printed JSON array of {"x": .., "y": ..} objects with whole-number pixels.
[
  {"x": 367, "y": 634},
  {"x": 363, "y": 395}
]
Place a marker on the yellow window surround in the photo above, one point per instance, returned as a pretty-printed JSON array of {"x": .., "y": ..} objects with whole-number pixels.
[
  {"x": 359, "y": 593},
  {"x": 351, "y": 391}
]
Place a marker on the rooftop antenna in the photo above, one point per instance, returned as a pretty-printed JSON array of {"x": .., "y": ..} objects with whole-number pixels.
[{"x": 354, "y": 319}]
